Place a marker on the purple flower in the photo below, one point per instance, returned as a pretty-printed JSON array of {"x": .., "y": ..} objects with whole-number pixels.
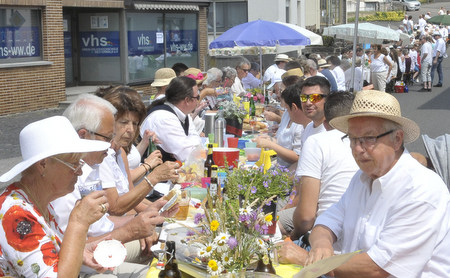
[
  {"x": 253, "y": 189},
  {"x": 190, "y": 233},
  {"x": 265, "y": 229},
  {"x": 232, "y": 242},
  {"x": 244, "y": 217},
  {"x": 258, "y": 227},
  {"x": 266, "y": 184},
  {"x": 198, "y": 218},
  {"x": 269, "y": 203},
  {"x": 239, "y": 186}
]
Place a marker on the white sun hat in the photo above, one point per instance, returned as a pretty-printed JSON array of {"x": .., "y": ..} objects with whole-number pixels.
[
  {"x": 372, "y": 103},
  {"x": 48, "y": 137}
]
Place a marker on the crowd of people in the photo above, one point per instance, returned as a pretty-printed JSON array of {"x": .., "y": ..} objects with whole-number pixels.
[{"x": 357, "y": 186}]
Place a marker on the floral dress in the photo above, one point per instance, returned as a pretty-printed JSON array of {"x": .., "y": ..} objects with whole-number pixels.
[{"x": 28, "y": 245}]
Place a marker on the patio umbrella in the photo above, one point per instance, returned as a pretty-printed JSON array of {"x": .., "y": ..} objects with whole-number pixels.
[
  {"x": 259, "y": 33},
  {"x": 440, "y": 19},
  {"x": 367, "y": 33}
]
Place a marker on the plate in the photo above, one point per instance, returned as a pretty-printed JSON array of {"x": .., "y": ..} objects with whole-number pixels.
[{"x": 110, "y": 253}]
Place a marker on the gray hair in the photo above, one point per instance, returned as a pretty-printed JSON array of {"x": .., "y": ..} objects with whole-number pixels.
[
  {"x": 243, "y": 61},
  {"x": 229, "y": 72},
  {"x": 311, "y": 64},
  {"x": 87, "y": 112},
  {"x": 345, "y": 64},
  {"x": 212, "y": 74}
]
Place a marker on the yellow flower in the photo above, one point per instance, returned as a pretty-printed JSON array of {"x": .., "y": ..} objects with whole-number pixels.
[
  {"x": 19, "y": 262},
  {"x": 214, "y": 225},
  {"x": 268, "y": 218},
  {"x": 213, "y": 265}
]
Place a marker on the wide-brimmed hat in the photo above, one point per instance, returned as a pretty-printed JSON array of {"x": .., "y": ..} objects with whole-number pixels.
[
  {"x": 292, "y": 72},
  {"x": 282, "y": 58},
  {"x": 163, "y": 76},
  {"x": 195, "y": 74},
  {"x": 437, "y": 33},
  {"x": 48, "y": 137},
  {"x": 371, "y": 103},
  {"x": 322, "y": 63}
]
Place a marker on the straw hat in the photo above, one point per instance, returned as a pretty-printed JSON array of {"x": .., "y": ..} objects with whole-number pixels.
[
  {"x": 195, "y": 74},
  {"x": 282, "y": 58},
  {"x": 163, "y": 76},
  {"x": 378, "y": 104},
  {"x": 322, "y": 63},
  {"x": 48, "y": 137},
  {"x": 292, "y": 72}
]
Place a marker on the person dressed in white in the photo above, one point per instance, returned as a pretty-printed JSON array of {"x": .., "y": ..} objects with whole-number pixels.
[
  {"x": 242, "y": 70},
  {"x": 422, "y": 24},
  {"x": 380, "y": 69},
  {"x": 171, "y": 120},
  {"x": 337, "y": 71},
  {"x": 347, "y": 68},
  {"x": 426, "y": 59},
  {"x": 280, "y": 63},
  {"x": 325, "y": 170},
  {"x": 395, "y": 210},
  {"x": 438, "y": 55}
]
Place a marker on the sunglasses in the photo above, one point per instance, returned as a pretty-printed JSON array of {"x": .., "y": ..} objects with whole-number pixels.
[
  {"x": 312, "y": 97},
  {"x": 246, "y": 70}
]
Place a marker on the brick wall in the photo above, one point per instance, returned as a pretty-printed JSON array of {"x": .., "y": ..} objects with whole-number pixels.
[
  {"x": 32, "y": 88},
  {"x": 203, "y": 37}
]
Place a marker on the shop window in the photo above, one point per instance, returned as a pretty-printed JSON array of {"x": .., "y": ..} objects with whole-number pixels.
[
  {"x": 20, "y": 35},
  {"x": 228, "y": 14},
  {"x": 157, "y": 40}
]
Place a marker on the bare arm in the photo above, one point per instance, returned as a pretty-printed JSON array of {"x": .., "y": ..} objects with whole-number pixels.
[
  {"x": 306, "y": 210},
  {"x": 271, "y": 143},
  {"x": 361, "y": 265}
]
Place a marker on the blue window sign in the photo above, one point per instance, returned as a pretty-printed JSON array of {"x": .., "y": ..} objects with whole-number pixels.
[
  {"x": 145, "y": 42},
  {"x": 19, "y": 42},
  {"x": 100, "y": 44}
]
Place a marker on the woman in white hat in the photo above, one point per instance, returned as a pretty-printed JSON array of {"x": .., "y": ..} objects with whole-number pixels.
[{"x": 29, "y": 239}]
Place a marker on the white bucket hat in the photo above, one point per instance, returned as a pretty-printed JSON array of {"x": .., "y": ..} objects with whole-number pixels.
[
  {"x": 276, "y": 78},
  {"x": 371, "y": 103},
  {"x": 48, "y": 137}
]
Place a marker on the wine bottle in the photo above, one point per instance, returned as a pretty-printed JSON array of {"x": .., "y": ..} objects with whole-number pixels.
[
  {"x": 213, "y": 186},
  {"x": 252, "y": 107},
  {"x": 171, "y": 267},
  {"x": 209, "y": 161},
  {"x": 265, "y": 265}
]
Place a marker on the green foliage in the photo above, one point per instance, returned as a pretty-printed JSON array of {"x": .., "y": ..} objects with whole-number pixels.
[
  {"x": 327, "y": 41},
  {"x": 381, "y": 16}
]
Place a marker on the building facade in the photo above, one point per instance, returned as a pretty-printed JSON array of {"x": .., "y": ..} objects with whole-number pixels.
[{"x": 46, "y": 45}]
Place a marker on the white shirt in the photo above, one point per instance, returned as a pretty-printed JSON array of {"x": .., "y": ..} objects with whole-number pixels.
[
  {"x": 289, "y": 138},
  {"x": 112, "y": 172},
  {"x": 400, "y": 219},
  {"x": 327, "y": 158},
  {"x": 237, "y": 88},
  {"x": 167, "y": 127},
  {"x": 413, "y": 55},
  {"x": 357, "y": 84},
  {"x": 134, "y": 158},
  {"x": 311, "y": 130},
  {"x": 270, "y": 72},
  {"x": 422, "y": 24},
  {"x": 340, "y": 78},
  {"x": 64, "y": 205},
  {"x": 426, "y": 48},
  {"x": 440, "y": 46}
]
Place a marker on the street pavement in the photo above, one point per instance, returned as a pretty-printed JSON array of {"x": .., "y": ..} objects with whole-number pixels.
[{"x": 430, "y": 110}]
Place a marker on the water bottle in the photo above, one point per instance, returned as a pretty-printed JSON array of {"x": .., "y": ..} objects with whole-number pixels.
[
  {"x": 219, "y": 128},
  {"x": 406, "y": 89}
]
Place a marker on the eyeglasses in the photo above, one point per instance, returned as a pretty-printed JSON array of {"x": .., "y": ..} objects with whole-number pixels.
[
  {"x": 246, "y": 70},
  {"x": 312, "y": 97},
  {"x": 108, "y": 139},
  {"x": 366, "y": 141},
  {"x": 74, "y": 167},
  {"x": 196, "y": 97}
]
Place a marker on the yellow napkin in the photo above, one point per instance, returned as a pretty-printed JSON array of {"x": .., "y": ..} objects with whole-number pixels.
[
  {"x": 286, "y": 270},
  {"x": 153, "y": 271}
]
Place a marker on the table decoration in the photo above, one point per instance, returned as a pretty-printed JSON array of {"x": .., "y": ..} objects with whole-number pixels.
[
  {"x": 231, "y": 236},
  {"x": 234, "y": 116}
]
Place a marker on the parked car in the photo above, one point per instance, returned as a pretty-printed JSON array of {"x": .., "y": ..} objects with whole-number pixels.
[{"x": 409, "y": 5}]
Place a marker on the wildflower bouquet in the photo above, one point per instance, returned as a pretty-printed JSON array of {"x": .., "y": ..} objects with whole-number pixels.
[
  {"x": 231, "y": 236},
  {"x": 276, "y": 181}
]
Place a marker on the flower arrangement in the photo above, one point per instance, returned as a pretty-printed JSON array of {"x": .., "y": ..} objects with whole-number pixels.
[
  {"x": 256, "y": 94},
  {"x": 231, "y": 236},
  {"x": 232, "y": 111},
  {"x": 276, "y": 181}
]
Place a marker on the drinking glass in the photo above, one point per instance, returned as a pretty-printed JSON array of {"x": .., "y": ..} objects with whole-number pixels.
[
  {"x": 183, "y": 205},
  {"x": 253, "y": 124},
  {"x": 88, "y": 187}
]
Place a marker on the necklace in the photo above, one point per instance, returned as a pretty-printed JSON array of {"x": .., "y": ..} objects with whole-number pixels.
[{"x": 42, "y": 210}]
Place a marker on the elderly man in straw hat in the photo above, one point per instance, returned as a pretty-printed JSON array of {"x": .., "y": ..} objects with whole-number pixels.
[
  {"x": 395, "y": 210},
  {"x": 280, "y": 62},
  {"x": 163, "y": 76}
]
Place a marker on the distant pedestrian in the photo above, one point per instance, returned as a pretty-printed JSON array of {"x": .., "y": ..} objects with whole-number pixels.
[{"x": 438, "y": 55}]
